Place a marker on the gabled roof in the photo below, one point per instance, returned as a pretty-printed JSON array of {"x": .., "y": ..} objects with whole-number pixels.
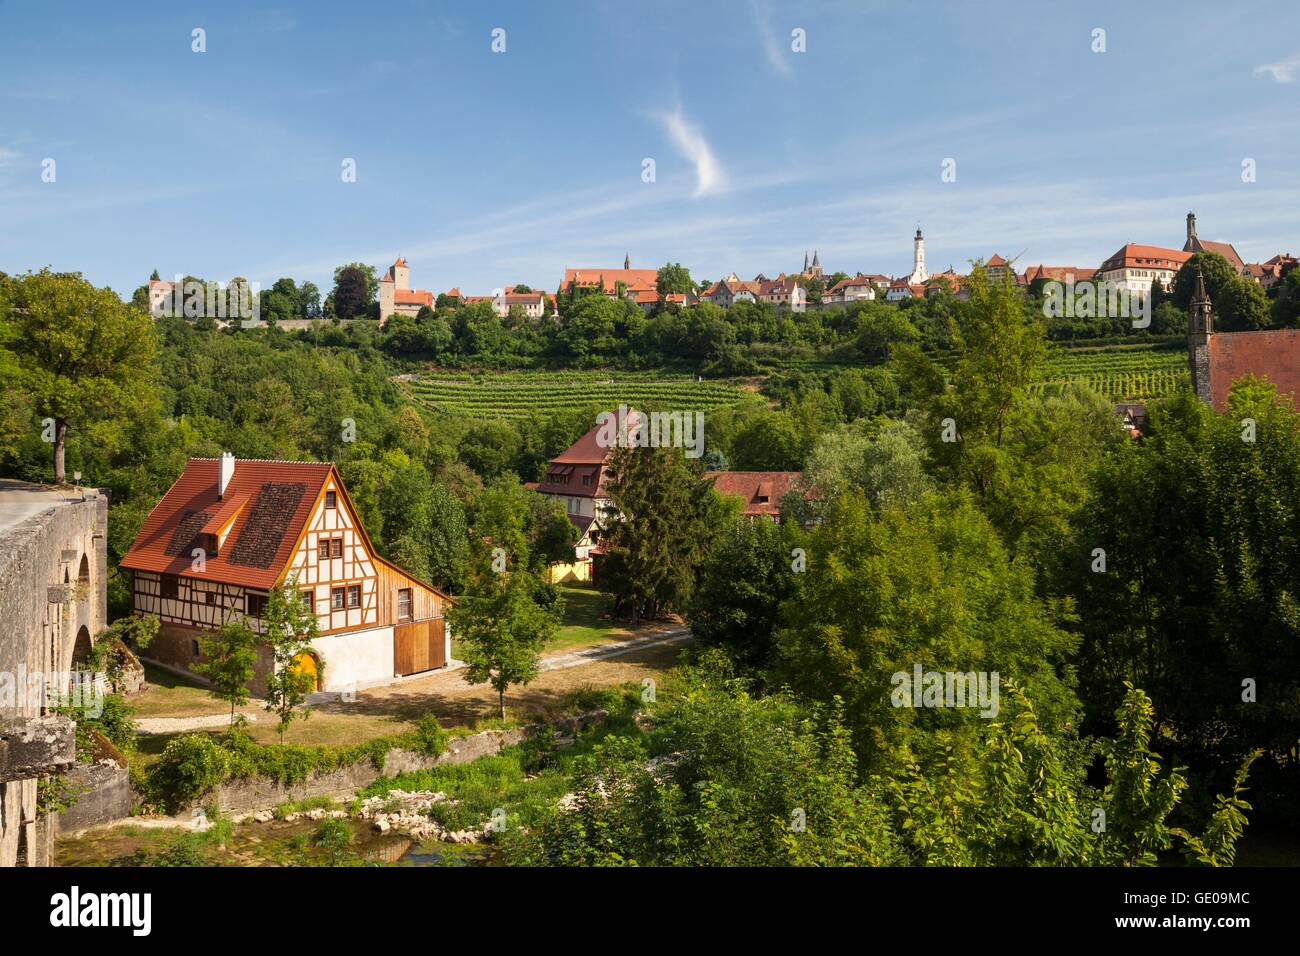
[
  {"x": 586, "y": 450},
  {"x": 1133, "y": 254},
  {"x": 996, "y": 260},
  {"x": 608, "y": 279},
  {"x": 761, "y": 491},
  {"x": 271, "y": 503},
  {"x": 277, "y": 496}
]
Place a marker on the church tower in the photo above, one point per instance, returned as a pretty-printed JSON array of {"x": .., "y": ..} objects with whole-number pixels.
[
  {"x": 627, "y": 261},
  {"x": 919, "y": 274},
  {"x": 805, "y": 262},
  {"x": 816, "y": 264},
  {"x": 1200, "y": 327}
]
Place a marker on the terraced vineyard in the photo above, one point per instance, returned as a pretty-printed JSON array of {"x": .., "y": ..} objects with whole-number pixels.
[
  {"x": 1122, "y": 375},
  {"x": 522, "y": 394}
]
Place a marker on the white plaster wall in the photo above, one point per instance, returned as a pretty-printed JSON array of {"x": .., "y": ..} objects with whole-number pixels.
[{"x": 356, "y": 660}]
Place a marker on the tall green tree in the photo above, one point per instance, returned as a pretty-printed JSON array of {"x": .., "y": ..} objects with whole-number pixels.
[
  {"x": 83, "y": 357},
  {"x": 230, "y": 655},
  {"x": 290, "y": 626},
  {"x": 674, "y": 278},
  {"x": 667, "y": 515},
  {"x": 501, "y": 625}
]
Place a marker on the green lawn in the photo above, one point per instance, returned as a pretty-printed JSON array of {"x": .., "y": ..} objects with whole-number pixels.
[{"x": 584, "y": 624}]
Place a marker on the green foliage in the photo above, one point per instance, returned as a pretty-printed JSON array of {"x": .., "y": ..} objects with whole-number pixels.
[
  {"x": 501, "y": 626},
  {"x": 289, "y": 626},
  {"x": 668, "y": 514},
  {"x": 229, "y": 658},
  {"x": 739, "y": 589}
]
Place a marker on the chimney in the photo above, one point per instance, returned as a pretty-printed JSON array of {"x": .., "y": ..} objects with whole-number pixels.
[{"x": 225, "y": 471}]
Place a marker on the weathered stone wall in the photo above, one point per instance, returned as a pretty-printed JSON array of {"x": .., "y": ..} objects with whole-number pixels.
[
  {"x": 104, "y": 796},
  {"x": 43, "y": 606}
]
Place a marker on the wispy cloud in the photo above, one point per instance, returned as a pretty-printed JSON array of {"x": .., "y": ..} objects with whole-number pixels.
[
  {"x": 767, "y": 36},
  {"x": 690, "y": 142},
  {"x": 1284, "y": 71}
]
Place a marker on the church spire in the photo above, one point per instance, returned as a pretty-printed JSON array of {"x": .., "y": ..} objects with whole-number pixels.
[
  {"x": 1200, "y": 326},
  {"x": 627, "y": 261},
  {"x": 805, "y": 260}
]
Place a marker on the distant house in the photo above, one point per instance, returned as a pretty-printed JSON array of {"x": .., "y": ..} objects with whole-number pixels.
[
  {"x": 901, "y": 289},
  {"x": 1217, "y": 359},
  {"x": 860, "y": 288},
  {"x": 1271, "y": 272},
  {"x": 396, "y": 297},
  {"x": 730, "y": 290},
  {"x": 608, "y": 281},
  {"x": 761, "y": 491},
  {"x": 1133, "y": 417},
  {"x": 997, "y": 268},
  {"x": 230, "y": 530},
  {"x": 1057, "y": 273},
  {"x": 782, "y": 291},
  {"x": 1134, "y": 267},
  {"x": 576, "y": 476}
]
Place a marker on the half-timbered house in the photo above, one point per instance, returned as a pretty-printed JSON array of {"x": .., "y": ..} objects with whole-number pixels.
[{"x": 229, "y": 530}]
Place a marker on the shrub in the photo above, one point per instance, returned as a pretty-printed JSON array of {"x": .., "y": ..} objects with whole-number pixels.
[
  {"x": 190, "y": 766},
  {"x": 428, "y": 737}
]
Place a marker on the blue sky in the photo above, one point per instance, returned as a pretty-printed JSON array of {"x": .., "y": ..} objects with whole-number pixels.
[{"x": 484, "y": 168}]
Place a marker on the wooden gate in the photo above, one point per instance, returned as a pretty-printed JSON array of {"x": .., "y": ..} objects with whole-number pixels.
[{"x": 419, "y": 646}]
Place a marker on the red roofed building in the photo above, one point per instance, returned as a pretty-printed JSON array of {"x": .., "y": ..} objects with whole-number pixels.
[
  {"x": 396, "y": 297},
  {"x": 1058, "y": 274},
  {"x": 576, "y": 476},
  {"x": 761, "y": 491},
  {"x": 1224, "y": 249},
  {"x": 1135, "y": 267},
  {"x": 1217, "y": 359},
  {"x": 607, "y": 281},
  {"x": 229, "y": 530},
  {"x": 732, "y": 289}
]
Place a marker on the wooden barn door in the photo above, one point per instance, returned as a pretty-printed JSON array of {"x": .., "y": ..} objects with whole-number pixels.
[{"x": 419, "y": 646}]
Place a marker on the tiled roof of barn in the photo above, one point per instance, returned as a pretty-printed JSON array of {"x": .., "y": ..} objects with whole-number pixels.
[{"x": 279, "y": 496}]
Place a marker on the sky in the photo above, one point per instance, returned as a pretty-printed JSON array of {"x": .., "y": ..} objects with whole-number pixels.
[{"x": 485, "y": 169}]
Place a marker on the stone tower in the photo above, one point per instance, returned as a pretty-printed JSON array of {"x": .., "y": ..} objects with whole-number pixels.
[
  {"x": 1191, "y": 231},
  {"x": 816, "y": 264},
  {"x": 918, "y": 259},
  {"x": 1200, "y": 326}
]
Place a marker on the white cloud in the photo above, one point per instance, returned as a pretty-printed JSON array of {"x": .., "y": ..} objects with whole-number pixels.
[
  {"x": 771, "y": 47},
  {"x": 690, "y": 142},
  {"x": 1284, "y": 71}
]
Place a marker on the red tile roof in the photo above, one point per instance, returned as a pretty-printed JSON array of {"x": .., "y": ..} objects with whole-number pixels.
[
  {"x": 413, "y": 297},
  {"x": 1224, "y": 249},
  {"x": 279, "y": 497},
  {"x": 1133, "y": 255},
  {"x": 996, "y": 260},
  {"x": 761, "y": 491},
  {"x": 586, "y": 450},
  {"x": 1273, "y": 354},
  {"x": 608, "y": 279}
]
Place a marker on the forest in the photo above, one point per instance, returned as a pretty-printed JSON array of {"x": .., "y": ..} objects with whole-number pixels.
[{"x": 1136, "y": 597}]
